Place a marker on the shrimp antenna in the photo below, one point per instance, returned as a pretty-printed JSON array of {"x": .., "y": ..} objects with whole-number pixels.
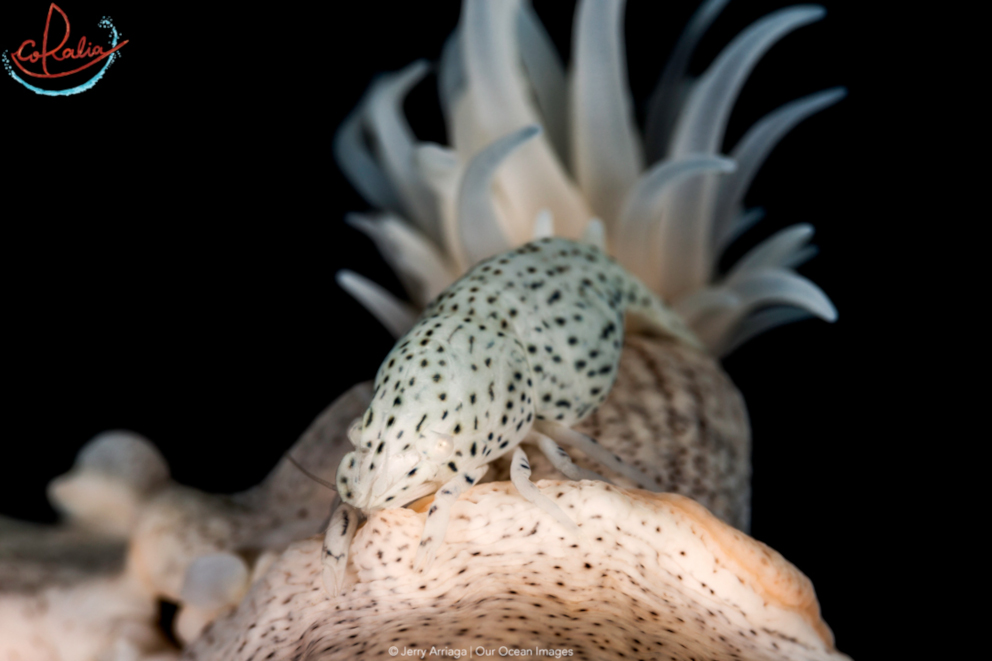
[{"x": 309, "y": 474}]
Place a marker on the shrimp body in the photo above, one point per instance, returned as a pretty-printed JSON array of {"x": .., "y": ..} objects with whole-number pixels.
[{"x": 527, "y": 340}]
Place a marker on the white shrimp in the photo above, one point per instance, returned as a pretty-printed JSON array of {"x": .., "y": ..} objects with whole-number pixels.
[{"x": 526, "y": 344}]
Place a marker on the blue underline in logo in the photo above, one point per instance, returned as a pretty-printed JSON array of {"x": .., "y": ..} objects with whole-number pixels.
[{"x": 105, "y": 23}]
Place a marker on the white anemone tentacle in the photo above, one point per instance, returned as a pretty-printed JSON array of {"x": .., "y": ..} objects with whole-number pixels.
[
  {"x": 442, "y": 170},
  {"x": 744, "y": 221},
  {"x": 606, "y": 151},
  {"x": 751, "y": 151},
  {"x": 422, "y": 268},
  {"x": 547, "y": 77},
  {"x": 499, "y": 100},
  {"x": 544, "y": 225},
  {"x": 686, "y": 226},
  {"x": 774, "y": 251},
  {"x": 673, "y": 87},
  {"x": 500, "y": 78},
  {"x": 396, "y": 143},
  {"x": 359, "y": 166},
  {"x": 595, "y": 234},
  {"x": 397, "y": 316},
  {"x": 483, "y": 229},
  {"x": 637, "y": 230},
  {"x": 762, "y": 287},
  {"x": 762, "y": 321}
]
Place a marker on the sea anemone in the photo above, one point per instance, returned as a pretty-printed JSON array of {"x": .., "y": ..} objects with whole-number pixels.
[
  {"x": 533, "y": 150},
  {"x": 650, "y": 576}
]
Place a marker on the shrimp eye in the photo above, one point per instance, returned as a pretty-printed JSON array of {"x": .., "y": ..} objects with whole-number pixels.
[
  {"x": 437, "y": 446},
  {"x": 355, "y": 432}
]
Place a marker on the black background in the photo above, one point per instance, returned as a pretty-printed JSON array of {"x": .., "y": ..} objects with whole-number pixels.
[{"x": 171, "y": 238}]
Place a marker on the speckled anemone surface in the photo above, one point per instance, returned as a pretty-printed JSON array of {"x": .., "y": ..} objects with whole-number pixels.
[
  {"x": 650, "y": 576},
  {"x": 533, "y": 146}
]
